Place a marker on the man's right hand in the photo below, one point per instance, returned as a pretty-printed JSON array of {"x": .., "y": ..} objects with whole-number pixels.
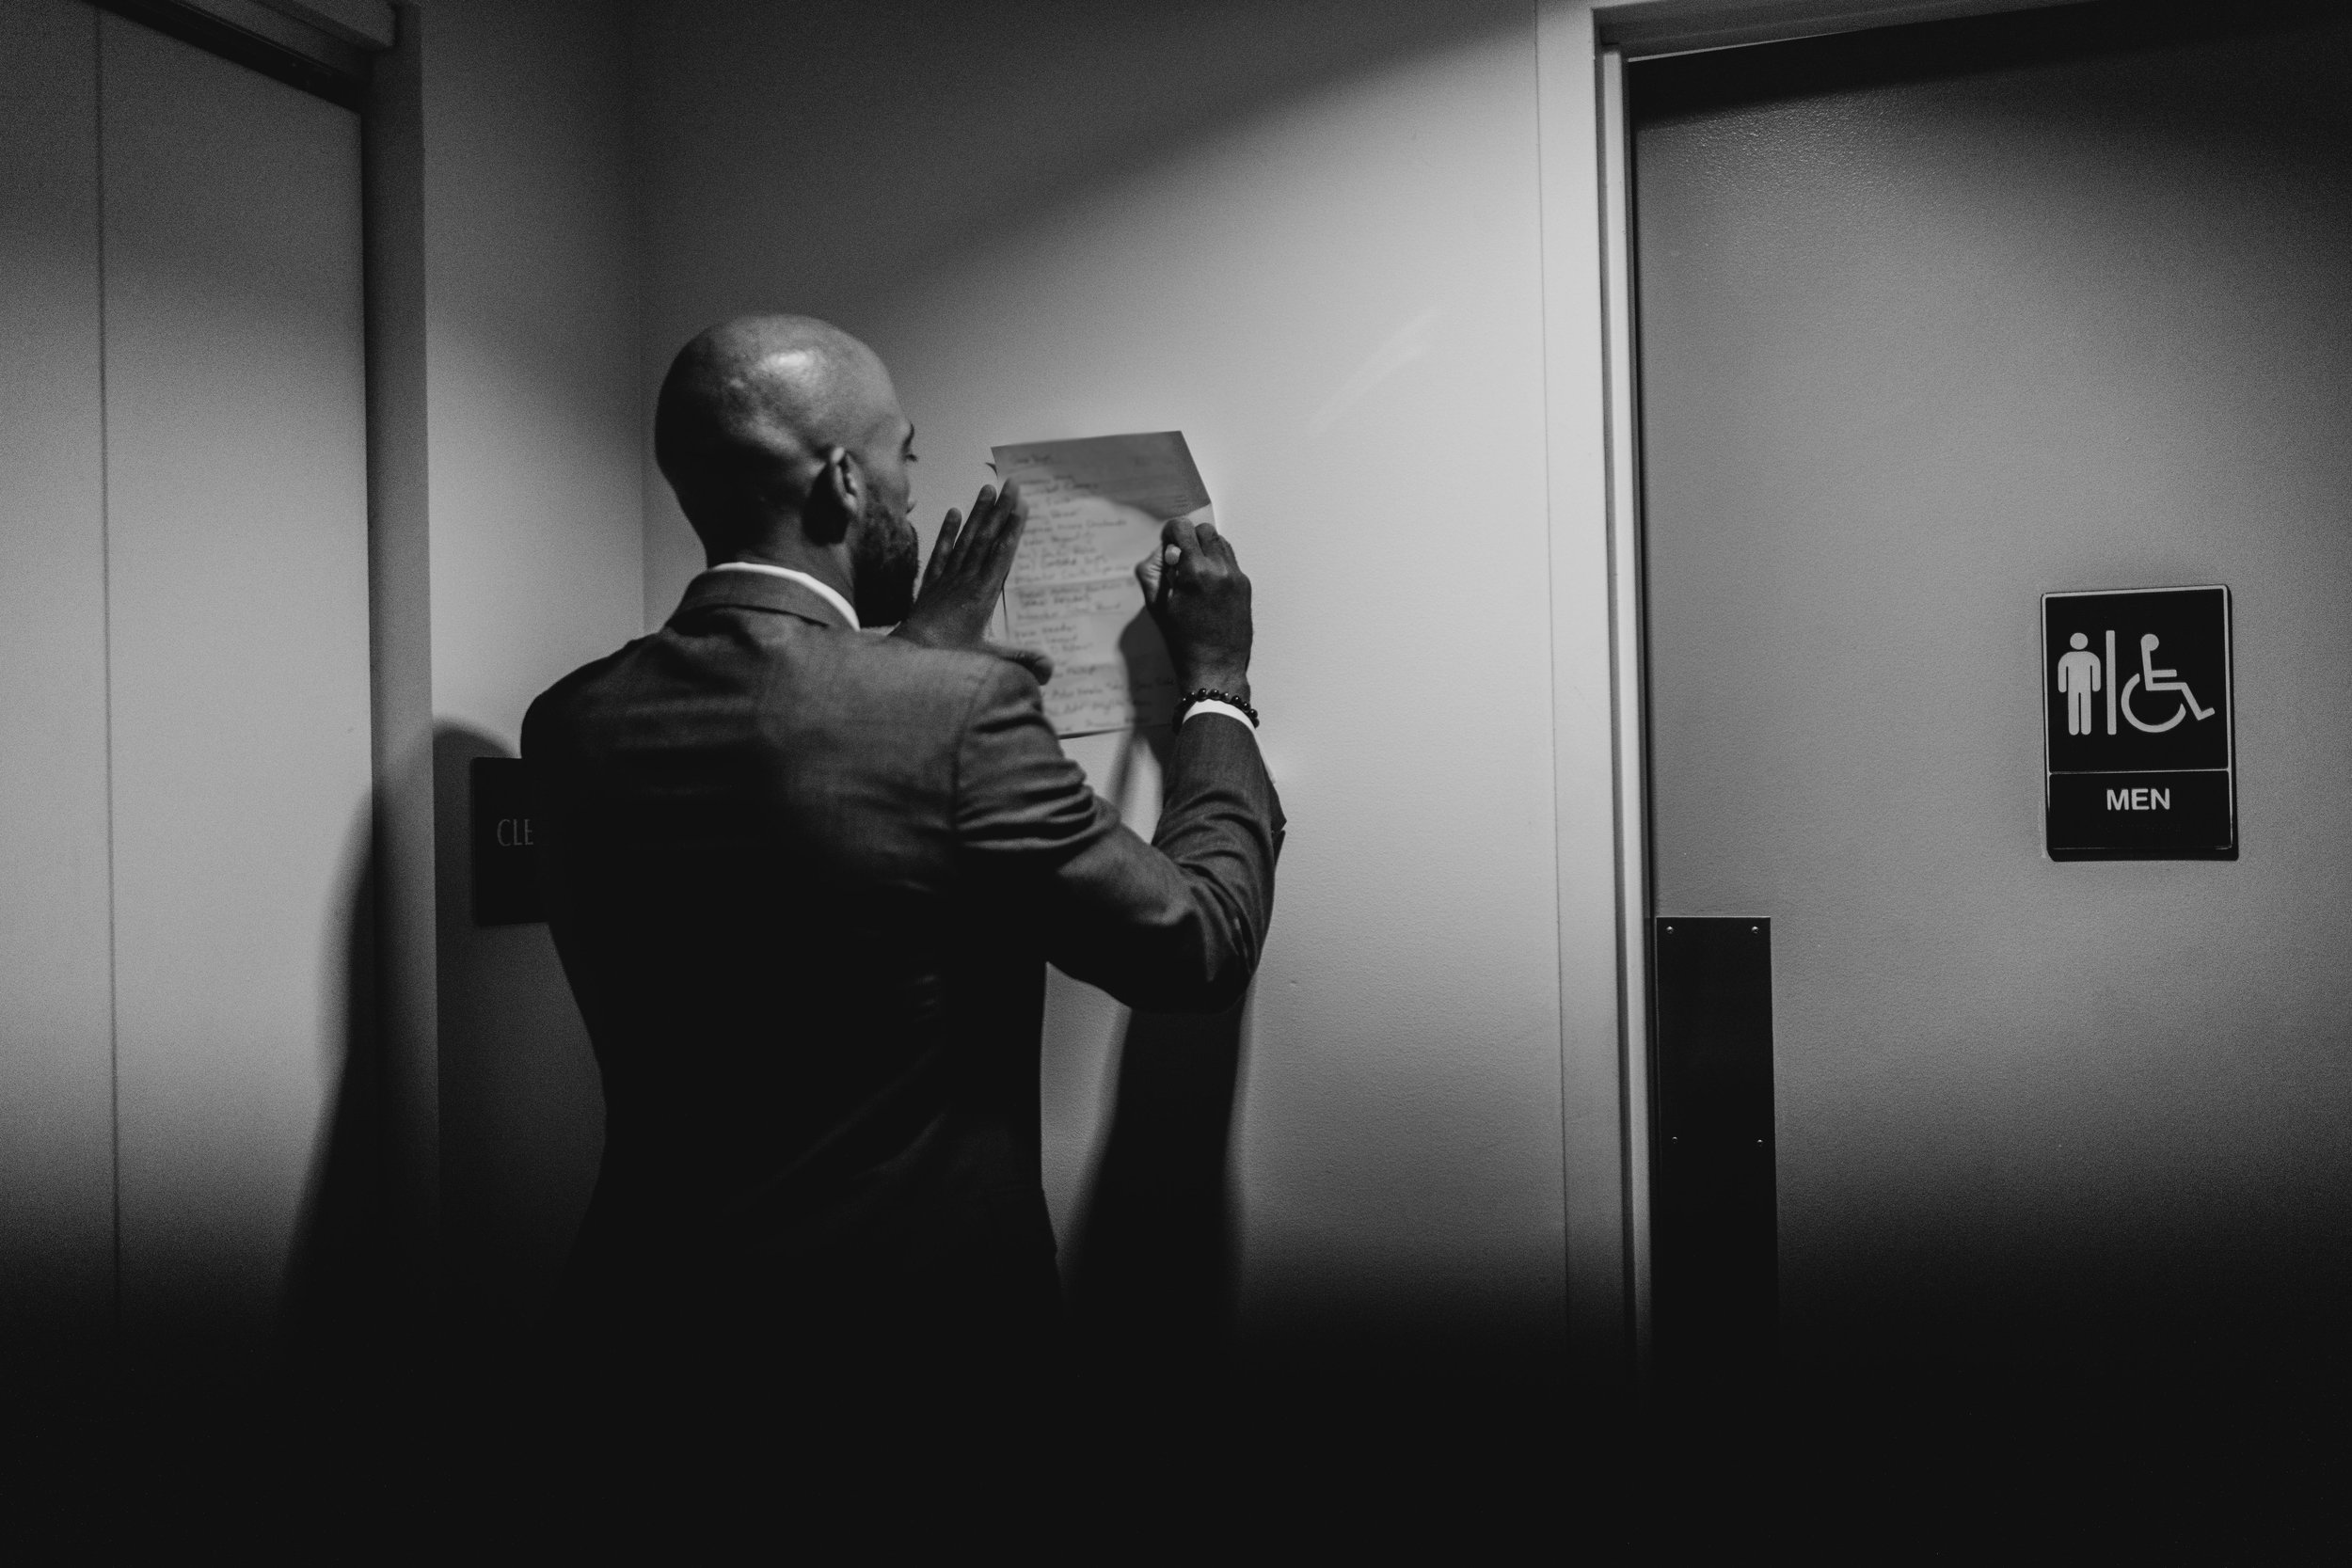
[
  {"x": 1200, "y": 602},
  {"x": 965, "y": 579}
]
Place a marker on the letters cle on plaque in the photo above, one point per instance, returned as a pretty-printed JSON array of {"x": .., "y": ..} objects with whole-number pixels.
[
  {"x": 506, "y": 846},
  {"x": 2137, "y": 725}
]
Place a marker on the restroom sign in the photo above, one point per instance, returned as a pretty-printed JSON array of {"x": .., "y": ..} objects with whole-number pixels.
[{"x": 2137, "y": 725}]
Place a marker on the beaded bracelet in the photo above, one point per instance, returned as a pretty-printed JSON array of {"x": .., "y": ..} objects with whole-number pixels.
[{"x": 1210, "y": 694}]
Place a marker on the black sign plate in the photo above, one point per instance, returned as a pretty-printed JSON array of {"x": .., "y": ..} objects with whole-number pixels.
[
  {"x": 505, "y": 857},
  {"x": 2137, "y": 725}
]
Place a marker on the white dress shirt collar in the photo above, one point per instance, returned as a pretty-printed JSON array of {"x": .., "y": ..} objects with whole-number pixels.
[{"x": 830, "y": 595}]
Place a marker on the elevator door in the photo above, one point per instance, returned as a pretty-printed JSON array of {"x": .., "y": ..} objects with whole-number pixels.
[
  {"x": 186, "y": 753},
  {"x": 1933, "y": 321}
]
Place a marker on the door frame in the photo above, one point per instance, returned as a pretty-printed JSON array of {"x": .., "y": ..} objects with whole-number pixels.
[{"x": 1600, "y": 732}]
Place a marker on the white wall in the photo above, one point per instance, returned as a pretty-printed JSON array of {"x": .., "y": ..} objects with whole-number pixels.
[
  {"x": 1309, "y": 236},
  {"x": 531, "y": 335},
  {"x": 530, "y": 251},
  {"x": 509, "y": 521}
]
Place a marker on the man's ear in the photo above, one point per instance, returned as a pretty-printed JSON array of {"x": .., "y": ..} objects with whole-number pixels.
[{"x": 835, "y": 500}]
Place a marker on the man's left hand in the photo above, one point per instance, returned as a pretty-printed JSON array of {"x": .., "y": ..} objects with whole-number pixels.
[{"x": 966, "y": 576}]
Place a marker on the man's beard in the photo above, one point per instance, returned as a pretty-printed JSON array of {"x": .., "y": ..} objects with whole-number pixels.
[{"x": 884, "y": 559}]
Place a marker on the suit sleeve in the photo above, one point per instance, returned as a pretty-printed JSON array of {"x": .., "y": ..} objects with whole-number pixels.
[{"x": 1173, "y": 925}]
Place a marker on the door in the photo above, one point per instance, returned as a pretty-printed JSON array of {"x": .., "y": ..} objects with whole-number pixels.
[
  {"x": 185, "y": 518},
  {"x": 1933, "y": 322}
]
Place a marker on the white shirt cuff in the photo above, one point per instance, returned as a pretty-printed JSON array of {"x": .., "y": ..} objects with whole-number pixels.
[{"x": 1210, "y": 705}]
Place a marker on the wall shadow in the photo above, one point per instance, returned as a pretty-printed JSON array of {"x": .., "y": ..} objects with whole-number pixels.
[
  {"x": 286, "y": 1447},
  {"x": 1152, "y": 1281},
  {"x": 340, "y": 1283},
  {"x": 1152, "y": 1277},
  {"x": 521, "y": 1102}
]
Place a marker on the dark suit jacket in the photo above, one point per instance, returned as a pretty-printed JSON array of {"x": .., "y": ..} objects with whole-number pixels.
[{"x": 805, "y": 881}]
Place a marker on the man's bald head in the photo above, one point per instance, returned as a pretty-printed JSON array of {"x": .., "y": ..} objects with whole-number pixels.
[{"x": 750, "y": 413}]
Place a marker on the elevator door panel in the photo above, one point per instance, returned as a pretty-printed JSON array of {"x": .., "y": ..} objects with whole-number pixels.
[
  {"x": 237, "y": 572},
  {"x": 56, "y": 1132},
  {"x": 1928, "y": 329}
]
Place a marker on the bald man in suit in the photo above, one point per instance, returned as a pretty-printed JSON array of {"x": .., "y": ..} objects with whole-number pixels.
[{"x": 805, "y": 877}]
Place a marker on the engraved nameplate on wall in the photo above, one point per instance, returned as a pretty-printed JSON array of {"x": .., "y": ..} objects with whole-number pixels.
[{"x": 505, "y": 857}]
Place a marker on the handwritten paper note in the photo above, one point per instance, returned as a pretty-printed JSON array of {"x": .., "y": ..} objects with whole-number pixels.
[{"x": 1096, "y": 508}]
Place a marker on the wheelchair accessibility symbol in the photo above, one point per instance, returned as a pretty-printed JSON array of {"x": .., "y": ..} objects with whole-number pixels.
[{"x": 2157, "y": 680}]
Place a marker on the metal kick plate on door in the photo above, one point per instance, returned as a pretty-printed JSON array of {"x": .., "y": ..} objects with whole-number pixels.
[{"x": 1715, "y": 1207}]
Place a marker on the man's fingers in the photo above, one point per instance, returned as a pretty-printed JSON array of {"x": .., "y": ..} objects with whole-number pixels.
[
  {"x": 963, "y": 542},
  {"x": 976, "y": 523},
  {"x": 1037, "y": 662},
  {"x": 1004, "y": 519},
  {"x": 980, "y": 529},
  {"x": 1012, "y": 517},
  {"x": 1180, "y": 548},
  {"x": 1180, "y": 532},
  {"x": 1216, "y": 547},
  {"x": 1151, "y": 574},
  {"x": 989, "y": 554},
  {"x": 942, "y": 547}
]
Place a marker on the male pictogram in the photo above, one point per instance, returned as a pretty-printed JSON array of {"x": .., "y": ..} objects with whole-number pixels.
[{"x": 2078, "y": 677}]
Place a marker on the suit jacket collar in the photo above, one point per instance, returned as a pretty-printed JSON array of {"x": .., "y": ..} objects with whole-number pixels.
[{"x": 759, "y": 590}]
